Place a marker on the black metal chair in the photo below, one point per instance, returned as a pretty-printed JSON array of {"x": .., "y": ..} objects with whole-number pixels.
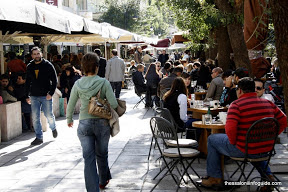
[
  {"x": 141, "y": 95},
  {"x": 175, "y": 157},
  {"x": 260, "y": 132}
]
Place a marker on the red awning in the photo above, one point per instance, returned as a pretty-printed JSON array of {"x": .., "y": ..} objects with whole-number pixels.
[
  {"x": 178, "y": 39},
  {"x": 162, "y": 43}
]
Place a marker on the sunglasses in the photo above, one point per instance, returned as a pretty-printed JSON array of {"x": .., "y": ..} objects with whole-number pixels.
[{"x": 259, "y": 88}]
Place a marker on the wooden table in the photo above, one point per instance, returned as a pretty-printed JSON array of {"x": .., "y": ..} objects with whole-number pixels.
[
  {"x": 198, "y": 112},
  {"x": 215, "y": 128},
  {"x": 199, "y": 95}
]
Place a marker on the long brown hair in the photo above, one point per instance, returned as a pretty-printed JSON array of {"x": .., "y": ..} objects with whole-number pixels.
[
  {"x": 177, "y": 85},
  {"x": 151, "y": 68}
]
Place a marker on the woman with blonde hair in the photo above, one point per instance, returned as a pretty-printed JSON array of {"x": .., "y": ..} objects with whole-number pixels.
[{"x": 93, "y": 132}]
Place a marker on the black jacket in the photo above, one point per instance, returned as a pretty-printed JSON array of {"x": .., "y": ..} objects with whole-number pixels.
[
  {"x": 102, "y": 67},
  {"x": 139, "y": 81},
  {"x": 41, "y": 79}
]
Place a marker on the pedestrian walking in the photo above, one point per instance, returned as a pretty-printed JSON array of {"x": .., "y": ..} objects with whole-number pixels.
[
  {"x": 115, "y": 71},
  {"x": 41, "y": 82},
  {"x": 93, "y": 132}
]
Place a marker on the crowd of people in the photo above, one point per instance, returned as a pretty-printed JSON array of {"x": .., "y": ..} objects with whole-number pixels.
[{"x": 166, "y": 82}]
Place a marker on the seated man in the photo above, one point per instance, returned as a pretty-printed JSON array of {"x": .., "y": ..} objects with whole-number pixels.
[
  {"x": 138, "y": 79},
  {"x": 259, "y": 88},
  {"x": 216, "y": 86},
  {"x": 166, "y": 83},
  {"x": 19, "y": 93},
  {"x": 6, "y": 90},
  {"x": 239, "y": 119},
  {"x": 229, "y": 93}
]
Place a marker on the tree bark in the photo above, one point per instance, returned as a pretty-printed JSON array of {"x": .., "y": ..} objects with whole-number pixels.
[
  {"x": 224, "y": 48},
  {"x": 235, "y": 31},
  {"x": 279, "y": 10}
]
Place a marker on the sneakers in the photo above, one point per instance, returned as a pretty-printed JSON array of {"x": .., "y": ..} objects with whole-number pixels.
[
  {"x": 37, "y": 142},
  {"x": 55, "y": 133},
  {"x": 103, "y": 186},
  {"x": 212, "y": 182}
]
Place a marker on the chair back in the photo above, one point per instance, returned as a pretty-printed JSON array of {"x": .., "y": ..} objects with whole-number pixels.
[
  {"x": 262, "y": 134},
  {"x": 161, "y": 128},
  {"x": 165, "y": 113}
]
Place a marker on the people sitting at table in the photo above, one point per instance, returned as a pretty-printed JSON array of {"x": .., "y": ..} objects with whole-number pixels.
[
  {"x": 195, "y": 71},
  {"x": 153, "y": 77},
  {"x": 259, "y": 88},
  {"x": 187, "y": 80},
  {"x": 216, "y": 86},
  {"x": 138, "y": 79},
  {"x": 6, "y": 90},
  {"x": 166, "y": 83},
  {"x": 239, "y": 119},
  {"x": 19, "y": 93},
  {"x": 132, "y": 67},
  {"x": 229, "y": 93},
  {"x": 175, "y": 100},
  {"x": 204, "y": 76},
  {"x": 166, "y": 69}
]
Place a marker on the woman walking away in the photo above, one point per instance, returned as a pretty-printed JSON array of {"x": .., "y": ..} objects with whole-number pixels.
[{"x": 93, "y": 132}]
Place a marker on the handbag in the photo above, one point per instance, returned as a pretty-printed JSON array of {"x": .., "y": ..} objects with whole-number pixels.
[
  {"x": 121, "y": 108},
  {"x": 99, "y": 107}
]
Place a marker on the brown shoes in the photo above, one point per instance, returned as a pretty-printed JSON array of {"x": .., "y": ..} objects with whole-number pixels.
[
  {"x": 268, "y": 188},
  {"x": 212, "y": 182}
]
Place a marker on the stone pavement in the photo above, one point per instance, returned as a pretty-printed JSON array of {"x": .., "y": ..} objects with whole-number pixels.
[{"x": 57, "y": 165}]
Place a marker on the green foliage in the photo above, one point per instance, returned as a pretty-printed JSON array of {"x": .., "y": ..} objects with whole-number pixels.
[
  {"x": 198, "y": 17},
  {"x": 155, "y": 20},
  {"x": 123, "y": 15}
]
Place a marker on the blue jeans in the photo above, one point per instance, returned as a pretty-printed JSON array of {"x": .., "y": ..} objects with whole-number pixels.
[
  {"x": 219, "y": 144},
  {"x": 39, "y": 103},
  {"x": 94, "y": 135},
  {"x": 116, "y": 87}
]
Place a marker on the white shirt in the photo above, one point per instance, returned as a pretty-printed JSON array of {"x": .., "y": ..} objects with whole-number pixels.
[
  {"x": 268, "y": 97},
  {"x": 182, "y": 100},
  {"x": 185, "y": 57}
]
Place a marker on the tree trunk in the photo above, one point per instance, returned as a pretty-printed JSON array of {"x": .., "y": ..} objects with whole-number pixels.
[
  {"x": 235, "y": 31},
  {"x": 279, "y": 10},
  {"x": 224, "y": 48}
]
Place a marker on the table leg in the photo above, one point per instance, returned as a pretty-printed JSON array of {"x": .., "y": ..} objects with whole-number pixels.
[{"x": 203, "y": 142}]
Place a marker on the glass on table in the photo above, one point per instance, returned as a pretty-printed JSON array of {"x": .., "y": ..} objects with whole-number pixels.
[{"x": 208, "y": 119}]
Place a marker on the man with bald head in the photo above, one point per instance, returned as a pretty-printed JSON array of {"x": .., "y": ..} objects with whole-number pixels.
[{"x": 216, "y": 86}]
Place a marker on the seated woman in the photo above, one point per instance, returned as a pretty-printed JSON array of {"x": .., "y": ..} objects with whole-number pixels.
[
  {"x": 187, "y": 80},
  {"x": 175, "y": 100},
  {"x": 152, "y": 76}
]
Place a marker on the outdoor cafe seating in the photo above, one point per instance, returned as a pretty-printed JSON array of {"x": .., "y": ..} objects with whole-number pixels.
[{"x": 176, "y": 160}]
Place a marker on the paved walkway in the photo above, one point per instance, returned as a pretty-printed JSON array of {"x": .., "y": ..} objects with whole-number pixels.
[{"x": 57, "y": 165}]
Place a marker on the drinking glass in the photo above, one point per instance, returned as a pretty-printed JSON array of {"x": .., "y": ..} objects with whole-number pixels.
[{"x": 208, "y": 119}]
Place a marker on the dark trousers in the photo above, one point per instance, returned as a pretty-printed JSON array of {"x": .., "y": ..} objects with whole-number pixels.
[
  {"x": 116, "y": 87},
  {"x": 152, "y": 92}
]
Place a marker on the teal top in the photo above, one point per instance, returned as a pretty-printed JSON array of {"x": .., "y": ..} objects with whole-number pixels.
[{"x": 85, "y": 88}]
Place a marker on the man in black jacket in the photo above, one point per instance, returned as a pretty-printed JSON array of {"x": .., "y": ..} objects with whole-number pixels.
[
  {"x": 41, "y": 82},
  {"x": 102, "y": 63},
  {"x": 138, "y": 79}
]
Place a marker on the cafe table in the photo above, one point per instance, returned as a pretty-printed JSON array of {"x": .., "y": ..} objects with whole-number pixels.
[
  {"x": 198, "y": 112},
  {"x": 214, "y": 127}
]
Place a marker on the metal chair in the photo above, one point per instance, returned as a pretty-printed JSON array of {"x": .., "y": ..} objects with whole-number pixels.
[
  {"x": 165, "y": 113},
  {"x": 183, "y": 157},
  {"x": 260, "y": 132},
  {"x": 141, "y": 95}
]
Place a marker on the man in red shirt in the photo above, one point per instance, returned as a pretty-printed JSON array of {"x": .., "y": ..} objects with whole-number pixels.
[{"x": 242, "y": 113}]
